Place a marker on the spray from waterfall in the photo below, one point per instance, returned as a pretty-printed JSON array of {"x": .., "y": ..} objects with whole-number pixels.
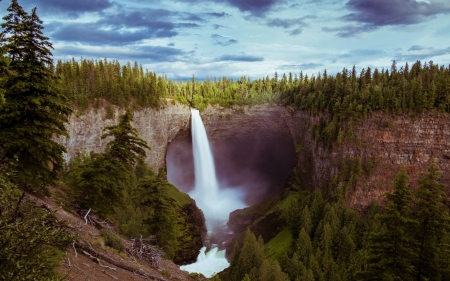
[{"x": 215, "y": 201}]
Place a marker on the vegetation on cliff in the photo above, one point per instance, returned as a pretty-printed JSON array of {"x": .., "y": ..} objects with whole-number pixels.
[
  {"x": 118, "y": 185},
  {"x": 406, "y": 240}
]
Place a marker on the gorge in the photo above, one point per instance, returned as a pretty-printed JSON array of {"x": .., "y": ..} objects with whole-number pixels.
[{"x": 389, "y": 141}]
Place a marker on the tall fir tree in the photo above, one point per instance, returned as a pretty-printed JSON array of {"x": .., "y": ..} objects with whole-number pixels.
[
  {"x": 432, "y": 213},
  {"x": 391, "y": 248},
  {"x": 35, "y": 111}
]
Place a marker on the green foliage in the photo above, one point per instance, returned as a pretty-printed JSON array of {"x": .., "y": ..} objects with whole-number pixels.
[
  {"x": 35, "y": 110},
  {"x": 391, "y": 248},
  {"x": 126, "y": 147},
  {"x": 432, "y": 214},
  {"x": 31, "y": 239},
  {"x": 112, "y": 240},
  {"x": 100, "y": 180},
  {"x": 407, "y": 240}
]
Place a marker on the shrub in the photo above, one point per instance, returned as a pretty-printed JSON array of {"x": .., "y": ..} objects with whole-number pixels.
[{"x": 113, "y": 240}]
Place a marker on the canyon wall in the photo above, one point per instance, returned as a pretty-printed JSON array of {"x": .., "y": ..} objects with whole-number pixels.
[{"x": 392, "y": 142}]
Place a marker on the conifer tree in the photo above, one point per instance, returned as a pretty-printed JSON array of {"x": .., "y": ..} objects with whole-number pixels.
[
  {"x": 126, "y": 147},
  {"x": 391, "y": 251},
  {"x": 433, "y": 216},
  {"x": 35, "y": 110}
]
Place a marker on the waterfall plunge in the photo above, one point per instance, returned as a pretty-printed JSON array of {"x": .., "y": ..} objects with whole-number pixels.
[{"x": 216, "y": 202}]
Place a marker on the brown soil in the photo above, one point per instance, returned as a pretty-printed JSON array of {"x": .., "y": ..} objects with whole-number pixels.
[{"x": 77, "y": 265}]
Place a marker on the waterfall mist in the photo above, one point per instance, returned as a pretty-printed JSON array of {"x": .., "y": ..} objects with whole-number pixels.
[
  {"x": 246, "y": 169},
  {"x": 215, "y": 202}
]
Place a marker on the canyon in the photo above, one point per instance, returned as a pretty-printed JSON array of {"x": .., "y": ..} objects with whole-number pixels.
[{"x": 275, "y": 139}]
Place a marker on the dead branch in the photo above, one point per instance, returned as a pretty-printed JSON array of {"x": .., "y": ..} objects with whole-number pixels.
[
  {"x": 143, "y": 251},
  {"x": 112, "y": 276},
  {"x": 76, "y": 254},
  {"x": 85, "y": 216},
  {"x": 109, "y": 260}
]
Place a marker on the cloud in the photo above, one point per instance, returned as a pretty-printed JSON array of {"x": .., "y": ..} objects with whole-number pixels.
[
  {"x": 243, "y": 58},
  {"x": 254, "y": 7},
  {"x": 72, "y": 8},
  {"x": 303, "y": 66},
  {"x": 296, "y": 31},
  {"x": 298, "y": 23},
  {"x": 351, "y": 30},
  {"x": 415, "y": 48},
  {"x": 128, "y": 26},
  {"x": 92, "y": 33},
  {"x": 416, "y": 53},
  {"x": 218, "y": 15},
  {"x": 369, "y": 15},
  {"x": 222, "y": 40},
  {"x": 361, "y": 53},
  {"x": 217, "y": 26},
  {"x": 394, "y": 12},
  {"x": 144, "y": 54}
]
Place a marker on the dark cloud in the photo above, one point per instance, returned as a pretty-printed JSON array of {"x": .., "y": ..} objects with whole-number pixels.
[
  {"x": 369, "y": 15},
  {"x": 222, "y": 40},
  {"x": 218, "y": 15},
  {"x": 243, "y": 58},
  {"x": 126, "y": 27},
  {"x": 72, "y": 8},
  {"x": 349, "y": 30},
  {"x": 143, "y": 54},
  {"x": 254, "y": 7},
  {"x": 394, "y": 12},
  {"x": 421, "y": 53},
  {"x": 171, "y": 44},
  {"x": 92, "y": 33}
]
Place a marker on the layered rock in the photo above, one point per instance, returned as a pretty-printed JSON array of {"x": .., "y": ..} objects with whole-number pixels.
[
  {"x": 392, "y": 142},
  {"x": 157, "y": 127}
]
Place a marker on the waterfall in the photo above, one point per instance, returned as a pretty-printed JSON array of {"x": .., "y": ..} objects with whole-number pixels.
[{"x": 215, "y": 201}]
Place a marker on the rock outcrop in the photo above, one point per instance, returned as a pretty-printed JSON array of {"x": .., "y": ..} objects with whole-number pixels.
[{"x": 157, "y": 127}]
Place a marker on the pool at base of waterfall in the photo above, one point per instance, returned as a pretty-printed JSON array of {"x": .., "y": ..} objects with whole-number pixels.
[{"x": 208, "y": 263}]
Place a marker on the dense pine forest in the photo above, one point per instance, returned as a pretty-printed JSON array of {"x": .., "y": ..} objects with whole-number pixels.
[{"x": 323, "y": 239}]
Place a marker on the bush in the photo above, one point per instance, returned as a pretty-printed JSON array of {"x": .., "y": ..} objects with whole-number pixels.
[{"x": 113, "y": 240}]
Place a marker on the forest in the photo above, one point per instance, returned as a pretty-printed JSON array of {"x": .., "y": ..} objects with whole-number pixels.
[{"x": 407, "y": 239}]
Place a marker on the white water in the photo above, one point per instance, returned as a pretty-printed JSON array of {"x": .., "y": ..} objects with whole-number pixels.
[{"x": 215, "y": 202}]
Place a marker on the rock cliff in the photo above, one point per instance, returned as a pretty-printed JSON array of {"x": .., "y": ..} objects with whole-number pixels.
[
  {"x": 157, "y": 127},
  {"x": 274, "y": 138}
]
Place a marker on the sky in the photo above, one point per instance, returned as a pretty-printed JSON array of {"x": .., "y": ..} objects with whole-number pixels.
[{"x": 253, "y": 38}]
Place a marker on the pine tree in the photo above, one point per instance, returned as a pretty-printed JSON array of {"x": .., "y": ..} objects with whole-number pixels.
[
  {"x": 126, "y": 147},
  {"x": 35, "y": 111},
  {"x": 391, "y": 251},
  {"x": 433, "y": 216}
]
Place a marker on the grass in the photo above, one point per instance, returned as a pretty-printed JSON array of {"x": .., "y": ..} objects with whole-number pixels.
[
  {"x": 181, "y": 197},
  {"x": 279, "y": 245}
]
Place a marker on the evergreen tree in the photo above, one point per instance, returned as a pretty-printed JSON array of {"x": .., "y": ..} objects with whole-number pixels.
[
  {"x": 35, "y": 110},
  {"x": 432, "y": 214},
  {"x": 391, "y": 249},
  {"x": 126, "y": 147}
]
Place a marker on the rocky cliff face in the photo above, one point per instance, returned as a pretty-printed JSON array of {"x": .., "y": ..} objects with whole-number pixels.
[
  {"x": 157, "y": 127},
  {"x": 268, "y": 134}
]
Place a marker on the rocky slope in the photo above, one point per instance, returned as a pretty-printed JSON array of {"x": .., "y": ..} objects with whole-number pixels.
[{"x": 390, "y": 141}]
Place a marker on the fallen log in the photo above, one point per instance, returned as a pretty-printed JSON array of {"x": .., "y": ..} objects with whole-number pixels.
[{"x": 121, "y": 265}]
